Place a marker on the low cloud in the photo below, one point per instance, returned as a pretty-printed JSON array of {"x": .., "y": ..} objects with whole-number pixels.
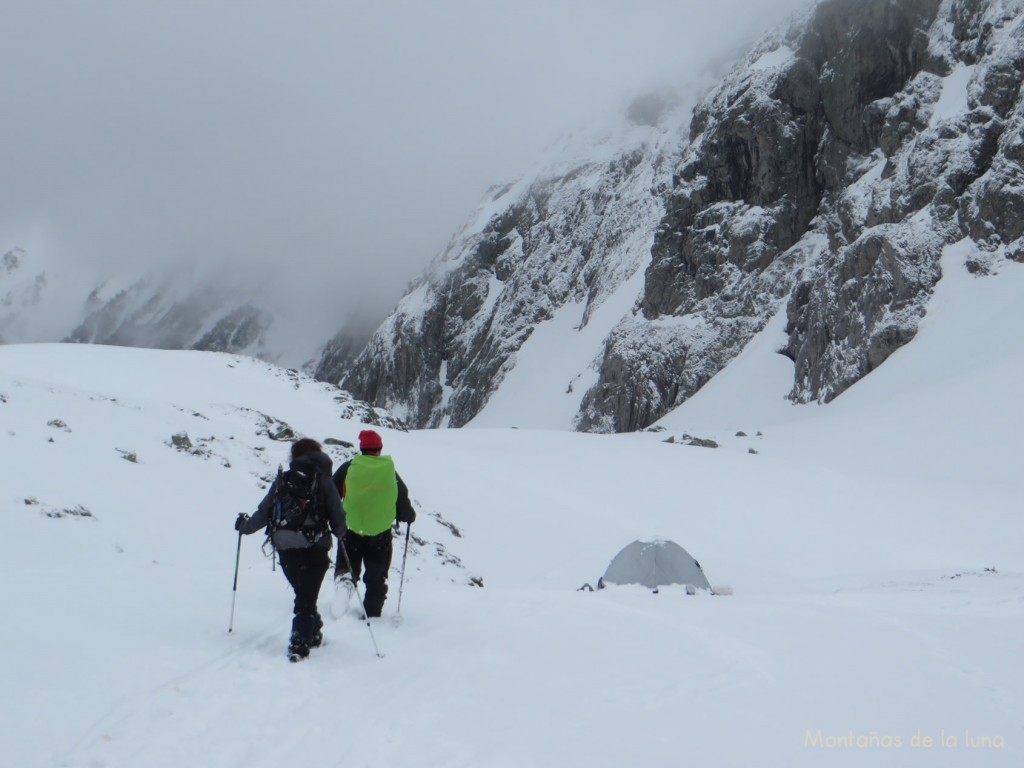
[{"x": 342, "y": 141}]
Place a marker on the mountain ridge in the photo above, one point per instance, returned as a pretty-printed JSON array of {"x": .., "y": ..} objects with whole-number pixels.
[
  {"x": 818, "y": 176},
  {"x": 823, "y": 177}
]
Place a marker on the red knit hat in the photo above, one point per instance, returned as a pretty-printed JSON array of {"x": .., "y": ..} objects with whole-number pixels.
[{"x": 370, "y": 441}]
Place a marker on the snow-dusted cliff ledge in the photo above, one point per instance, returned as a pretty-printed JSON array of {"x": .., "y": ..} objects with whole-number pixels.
[{"x": 823, "y": 176}]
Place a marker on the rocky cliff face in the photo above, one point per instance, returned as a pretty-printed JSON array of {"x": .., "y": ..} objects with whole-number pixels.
[
  {"x": 932, "y": 162},
  {"x": 823, "y": 177},
  {"x": 573, "y": 234}
]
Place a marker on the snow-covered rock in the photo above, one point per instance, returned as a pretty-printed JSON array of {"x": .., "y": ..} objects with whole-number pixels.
[{"x": 824, "y": 174}]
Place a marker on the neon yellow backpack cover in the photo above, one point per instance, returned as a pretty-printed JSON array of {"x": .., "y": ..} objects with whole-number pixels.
[{"x": 371, "y": 491}]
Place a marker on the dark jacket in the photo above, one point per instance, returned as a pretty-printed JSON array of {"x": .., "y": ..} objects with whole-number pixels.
[
  {"x": 329, "y": 499},
  {"x": 404, "y": 512}
]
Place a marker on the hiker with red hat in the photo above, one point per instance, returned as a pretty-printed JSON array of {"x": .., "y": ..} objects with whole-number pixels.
[{"x": 374, "y": 498}]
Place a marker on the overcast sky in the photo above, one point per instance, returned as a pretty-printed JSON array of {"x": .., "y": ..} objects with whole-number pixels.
[{"x": 348, "y": 138}]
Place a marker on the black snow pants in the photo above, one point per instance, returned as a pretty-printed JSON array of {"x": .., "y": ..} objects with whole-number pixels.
[
  {"x": 374, "y": 554},
  {"x": 305, "y": 568}
]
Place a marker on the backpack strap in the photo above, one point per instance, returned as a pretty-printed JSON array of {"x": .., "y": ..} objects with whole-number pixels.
[{"x": 275, "y": 515}]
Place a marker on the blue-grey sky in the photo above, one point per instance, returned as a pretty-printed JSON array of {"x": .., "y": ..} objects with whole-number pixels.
[{"x": 347, "y": 138}]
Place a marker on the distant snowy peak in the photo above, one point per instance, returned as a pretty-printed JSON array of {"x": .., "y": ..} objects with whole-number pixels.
[
  {"x": 822, "y": 177},
  {"x": 172, "y": 311},
  {"x": 167, "y": 315}
]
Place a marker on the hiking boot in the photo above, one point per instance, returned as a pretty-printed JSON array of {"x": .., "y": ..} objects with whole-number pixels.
[
  {"x": 305, "y": 628},
  {"x": 318, "y": 636},
  {"x": 373, "y": 605},
  {"x": 344, "y": 588},
  {"x": 344, "y": 579},
  {"x": 297, "y": 650}
]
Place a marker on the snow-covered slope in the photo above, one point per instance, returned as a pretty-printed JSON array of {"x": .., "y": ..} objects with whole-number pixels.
[
  {"x": 873, "y": 547},
  {"x": 825, "y": 173}
]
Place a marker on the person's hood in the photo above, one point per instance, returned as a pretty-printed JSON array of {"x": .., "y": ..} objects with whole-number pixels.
[{"x": 319, "y": 461}]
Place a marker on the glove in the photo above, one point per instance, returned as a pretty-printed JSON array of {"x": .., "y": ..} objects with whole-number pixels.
[
  {"x": 240, "y": 521},
  {"x": 406, "y": 516}
]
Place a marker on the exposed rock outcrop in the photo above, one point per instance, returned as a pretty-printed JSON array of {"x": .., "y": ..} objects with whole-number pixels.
[
  {"x": 823, "y": 177},
  {"x": 573, "y": 235}
]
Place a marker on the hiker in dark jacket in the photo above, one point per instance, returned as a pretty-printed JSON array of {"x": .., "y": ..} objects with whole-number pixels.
[
  {"x": 304, "y": 554},
  {"x": 374, "y": 497}
]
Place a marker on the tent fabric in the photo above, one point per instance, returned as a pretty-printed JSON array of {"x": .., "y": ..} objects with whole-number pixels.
[{"x": 654, "y": 564}]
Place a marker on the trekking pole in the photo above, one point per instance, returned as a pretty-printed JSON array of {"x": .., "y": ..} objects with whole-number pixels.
[
  {"x": 275, "y": 519},
  {"x": 234, "y": 587},
  {"x": 341, "y": 547},
  {"x": 401, "y": 579}
]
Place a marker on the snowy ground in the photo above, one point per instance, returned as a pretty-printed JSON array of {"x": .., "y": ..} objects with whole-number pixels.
[{"x": 873, "y": 546}]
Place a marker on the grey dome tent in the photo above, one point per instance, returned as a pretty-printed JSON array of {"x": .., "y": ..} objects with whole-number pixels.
[{"x": 654, "y": 564}]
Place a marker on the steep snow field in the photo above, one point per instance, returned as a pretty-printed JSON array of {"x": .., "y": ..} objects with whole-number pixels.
[{"x": 873, "y": 546}]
